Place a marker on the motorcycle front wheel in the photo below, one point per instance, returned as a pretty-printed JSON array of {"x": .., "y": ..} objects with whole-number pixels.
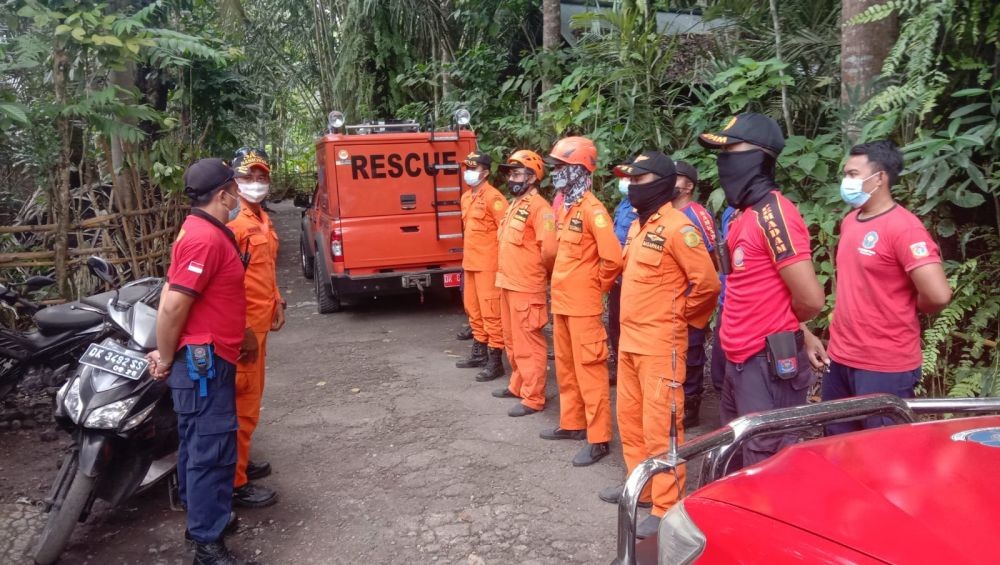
[{"x": 67, "y": 506}]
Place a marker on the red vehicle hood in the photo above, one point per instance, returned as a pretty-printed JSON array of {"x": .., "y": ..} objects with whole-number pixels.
[{"x": 903, "y": 494}]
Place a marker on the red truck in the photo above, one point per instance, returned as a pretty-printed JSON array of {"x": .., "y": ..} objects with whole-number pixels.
[
  {"x": 911, "y": 493},
  {"x": 385, "y": 217}
]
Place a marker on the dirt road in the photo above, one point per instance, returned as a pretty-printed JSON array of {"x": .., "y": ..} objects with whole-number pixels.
[{"x": 383, "y": 452}]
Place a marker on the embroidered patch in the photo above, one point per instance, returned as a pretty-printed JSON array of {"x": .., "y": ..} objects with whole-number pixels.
[
  {"x": 738, "y": 258},
  {"x": 772, "y": 221},
  {"x": 498, "y": 205},
  {"x": 600, "y": 220},
  {"x": 868, "y": 243},
  {"x": 691, "y": 239},
  {"x": 550, "y": 224},
  {"x": 653, "y": 241},
  {"x": 576, "y": 224},
  {"x": 919, "y": 249},
  {"x": 659, "y": 229},
  {"x": 522, "y": 214},
  {"x": 196, "y": 268}
]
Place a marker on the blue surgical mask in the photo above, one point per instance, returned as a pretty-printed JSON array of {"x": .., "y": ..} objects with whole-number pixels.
[
  {"x": 852, "y": 193},
  {"x": 623, "y": 186},
  {"x": 235, "y": 211}
]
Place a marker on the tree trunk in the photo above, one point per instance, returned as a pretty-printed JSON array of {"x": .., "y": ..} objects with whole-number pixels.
[
  {"x": 777, "y": 51},
  {"x": 863, "y": 49},
  {"x": 551, "y": 37},
  {"x": 60, "y": 199}
]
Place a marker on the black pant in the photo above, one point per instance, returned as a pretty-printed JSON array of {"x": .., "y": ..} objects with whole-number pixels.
[
  {"x": 615, "y": 315},
  {"x": 694, "y": 382},
  {"x": 718, "y": 355}
]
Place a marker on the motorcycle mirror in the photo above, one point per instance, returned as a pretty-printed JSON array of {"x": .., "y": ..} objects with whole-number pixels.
[
  {"x": 36, "y": 282},
  {"x": 102, "y": 269}
]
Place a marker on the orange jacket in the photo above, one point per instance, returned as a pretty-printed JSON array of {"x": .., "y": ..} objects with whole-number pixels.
[
  {"x": 527, "y": 244},
  {"x": 482, "y": 211},
  {"x": 669, "y": 282},
  {"x": 588, "y": 260},
  {"x": 256, "y": 235}
]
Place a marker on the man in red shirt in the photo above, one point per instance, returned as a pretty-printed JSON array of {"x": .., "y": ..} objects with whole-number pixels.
[
  {"x": 200, "y": 335},
  {"x": 771, "y": 287},
  {"x": 888, "y": 269}
]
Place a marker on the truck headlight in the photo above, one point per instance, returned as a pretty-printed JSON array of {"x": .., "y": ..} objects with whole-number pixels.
[
  {"x": 680, "y": 541},
  {"x": 109, "y": 416},
  {"x": 462, "y": 117},
  {"x": 71, "y": 403}
]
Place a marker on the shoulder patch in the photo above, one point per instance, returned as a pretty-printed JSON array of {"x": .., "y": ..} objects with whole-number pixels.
[
  {"x": 600, "y": 220},
  {"x": 691, "y": 238},
  {"x": 498, "y": 204},
  {"x": 771, "y": 220}
]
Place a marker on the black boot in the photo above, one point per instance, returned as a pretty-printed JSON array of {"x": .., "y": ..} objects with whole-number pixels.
[
  {"x": 252, "y": 495},
  {"x": 494, "y": 366},
  {"x": 592, "y": 453},
  {"x": 475, "y": 359},
  {"x": 214, "y": 553},
  {"x": 691, "y": 406},
  {"x": 464, "y": 334},
  {"x": 257, "y": 470}
]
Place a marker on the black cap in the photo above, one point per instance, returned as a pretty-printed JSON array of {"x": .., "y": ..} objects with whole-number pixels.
[
  {"x": 685, "y": 169},
  {"x": 247, "y": 158},
  {"x": 647, "y": 162},
  {"x": 477, "y": 158},
  {"x": 751, "y": 127},
  {"x": 205, "y": 176}
]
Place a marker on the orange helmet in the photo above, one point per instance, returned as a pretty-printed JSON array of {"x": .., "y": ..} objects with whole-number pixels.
[
  {"x": 574, "y": 151},
  {"x": 526, "y": 158}
]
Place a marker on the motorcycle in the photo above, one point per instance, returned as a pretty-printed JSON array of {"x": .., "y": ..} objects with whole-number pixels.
[
  {"x": 46, "y": 355},
  {"x": 122, "y": 421}
]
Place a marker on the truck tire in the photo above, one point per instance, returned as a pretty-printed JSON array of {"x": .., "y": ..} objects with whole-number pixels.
[
  {"x": 326, "y": 301},
  {"x": 308, "y": 262},
  {"x": 63, "y": 518}
]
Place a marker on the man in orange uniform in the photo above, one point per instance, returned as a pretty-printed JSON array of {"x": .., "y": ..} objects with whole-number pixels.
[
  {"x": 265, "y": 312},
  {"x": 588, "y": 259},
  {"x": 482, "y": 209},
  {"x": 668, "y": 284},
  {"x": 527, "y": 251}
]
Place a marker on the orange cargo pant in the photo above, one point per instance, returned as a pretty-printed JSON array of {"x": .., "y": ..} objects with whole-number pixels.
[
  {"x": 581, "y": 345},
  {"x": 481, "y": 299},
  {"x": 647, "y": 387},
  {"x": 523, "y": 315},
  {"x": 249, "y": 391}
]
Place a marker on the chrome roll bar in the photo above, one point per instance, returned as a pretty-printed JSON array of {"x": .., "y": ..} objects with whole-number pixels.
[{"x": 721, "y": 444}]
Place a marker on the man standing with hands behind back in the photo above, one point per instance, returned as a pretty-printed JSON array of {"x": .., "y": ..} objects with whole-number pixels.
[
  {"x": 201, "y": 335},
  {"x": 255, "y": 235}
]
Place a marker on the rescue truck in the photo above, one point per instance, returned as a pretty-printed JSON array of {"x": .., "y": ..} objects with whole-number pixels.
[{"x": 385, "y": 217}]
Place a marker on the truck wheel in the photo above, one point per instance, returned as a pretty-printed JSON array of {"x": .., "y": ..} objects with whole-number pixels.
[
  {"x": 308, "y": 263},
  {"x": 326, "y": 301},
  {"x": 63, "y": 518}
]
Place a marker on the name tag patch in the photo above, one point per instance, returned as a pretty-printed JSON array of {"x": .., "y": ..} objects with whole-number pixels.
[
  {"x": 653, "y": 241},
  {"x": 576, "y": 224}
]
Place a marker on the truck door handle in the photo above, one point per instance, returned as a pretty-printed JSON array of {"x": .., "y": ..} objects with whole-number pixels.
[{"x": 410, "y": 229}]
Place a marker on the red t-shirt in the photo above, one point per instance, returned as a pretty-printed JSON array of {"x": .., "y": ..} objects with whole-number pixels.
[
  {"x": 875, "y": 325},
  {"x": 762, "y": 239},
  {"x": 205, "y": 264}
]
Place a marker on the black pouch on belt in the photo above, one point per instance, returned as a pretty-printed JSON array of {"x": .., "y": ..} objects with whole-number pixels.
[{"x": 782, "y": 354}]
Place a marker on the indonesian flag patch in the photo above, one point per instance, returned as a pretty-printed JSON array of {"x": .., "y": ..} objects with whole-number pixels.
[{"x": 196, "y": 267}]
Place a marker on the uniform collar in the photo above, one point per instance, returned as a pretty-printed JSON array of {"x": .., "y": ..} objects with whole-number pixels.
[
  {"x": 247, "y": 212},
  {"x": 203, "y": 215},
  {"x": 659, "y": 213}
]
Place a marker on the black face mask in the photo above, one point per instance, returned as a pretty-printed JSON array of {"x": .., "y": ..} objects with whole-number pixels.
[
  {"x": 518, "y": 188},
  {"x": 745, "y": 176},
  {"x": 649, "y": 197}
]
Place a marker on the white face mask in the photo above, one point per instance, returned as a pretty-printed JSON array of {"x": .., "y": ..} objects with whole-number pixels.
[
  {"x": 254, "y": 191},
  {"x": 623, "y": 186},
  {"x": 471, "y": 178}
]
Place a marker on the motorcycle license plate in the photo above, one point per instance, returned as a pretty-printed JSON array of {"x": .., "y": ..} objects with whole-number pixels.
[
  {"x": 452, "y": 280},
  {"x": 114, "y": 362}
]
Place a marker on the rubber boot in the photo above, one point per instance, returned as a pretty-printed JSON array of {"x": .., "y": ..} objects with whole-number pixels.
[
  {"x": 475, "y": 359},
  {"x": 691, "y": 406},
  {"x": 494, "y": 366}
]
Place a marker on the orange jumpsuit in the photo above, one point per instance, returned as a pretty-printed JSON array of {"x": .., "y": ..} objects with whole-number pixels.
[
  {"x": 588, "y": 260},
  {"x": 255, "y": 235},
  {"x": 482, "y": 210},
  {"x": 668, "y": 282},
  {"x": 527, "y": 249}
]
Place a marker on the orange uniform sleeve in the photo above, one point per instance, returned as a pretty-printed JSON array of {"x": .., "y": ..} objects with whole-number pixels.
[
  {"x": 608, "y": 248},
  {"x": 498, "y": 208},
  {"x": 545, "y": 233},
  {"x": 692, "y": 256}
]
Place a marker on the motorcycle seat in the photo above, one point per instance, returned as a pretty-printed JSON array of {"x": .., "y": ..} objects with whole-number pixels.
[
  {"x": 129, "y": 295},
  {"x": 62, "y": 318}
]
